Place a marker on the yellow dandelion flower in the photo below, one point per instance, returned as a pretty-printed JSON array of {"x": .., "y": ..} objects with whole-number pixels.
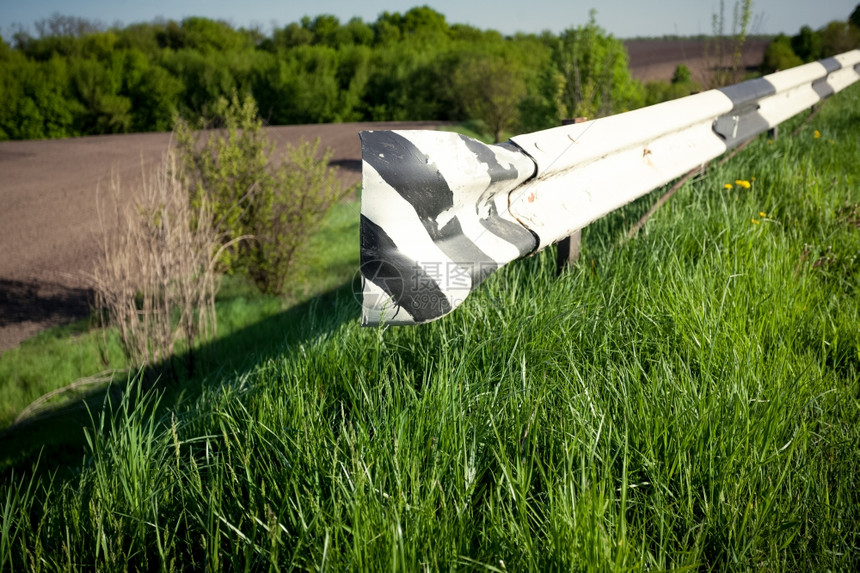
[
  {"x": 762, "y": 214},
  {"x": 755, "y": 222},
  {"x": 817, "y": 134},
  {"x": 742, "y": 183},
  {"x": 727, "y": 186}
]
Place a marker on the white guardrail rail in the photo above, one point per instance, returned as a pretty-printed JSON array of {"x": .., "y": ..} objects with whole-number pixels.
[{"x": 440, "y": 211}]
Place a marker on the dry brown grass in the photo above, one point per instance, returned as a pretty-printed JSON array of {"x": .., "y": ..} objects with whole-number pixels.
[{"x": 155, "y": 279}]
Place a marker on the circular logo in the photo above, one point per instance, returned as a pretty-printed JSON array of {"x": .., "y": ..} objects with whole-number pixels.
[{"x": 387, "y": 281}]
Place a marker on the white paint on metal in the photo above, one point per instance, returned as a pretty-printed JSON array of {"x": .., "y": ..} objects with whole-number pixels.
[
  {"x": 389, "y": 210},
  {"x": 557, "y": 205},
  {"x": 561, "y": 148},
  {"x": 841, "y": 79}
]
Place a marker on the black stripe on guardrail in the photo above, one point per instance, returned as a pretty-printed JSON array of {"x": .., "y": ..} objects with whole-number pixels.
[
  {"x": 830, "y": 64},
  {"x": 821, "y": 87},
  {"x": 748, "y": 92},
  {"x": 523, "y": 239},
  {"x": 411, "y": 174},
  {"x": 744, "y": 121},
  {"x": 398, "y": 276},
  {"x": 736, "y": 127}
]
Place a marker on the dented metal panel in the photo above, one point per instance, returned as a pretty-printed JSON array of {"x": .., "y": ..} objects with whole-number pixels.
[{"x": 435, "y": 221}]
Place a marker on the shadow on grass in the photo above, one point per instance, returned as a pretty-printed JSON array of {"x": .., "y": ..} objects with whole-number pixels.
[
  {"x": 56, "y": 437},
  {"x": 25, "y": 302}
]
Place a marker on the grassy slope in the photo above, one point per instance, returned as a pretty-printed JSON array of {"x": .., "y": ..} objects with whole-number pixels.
[
  {"x": 691, "y": 397},
  {"x": 60, "y": 357}
]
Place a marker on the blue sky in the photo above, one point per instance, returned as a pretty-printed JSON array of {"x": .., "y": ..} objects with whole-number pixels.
[{"x": 622, "y": 18}]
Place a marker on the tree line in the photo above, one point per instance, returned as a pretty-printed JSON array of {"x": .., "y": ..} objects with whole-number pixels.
[
  {"x": 809, "y": 45},
  {"x": 76, "y": 77}
]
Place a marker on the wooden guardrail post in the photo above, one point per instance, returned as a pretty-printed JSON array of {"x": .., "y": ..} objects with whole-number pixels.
[{"x": 568, "y": 249}]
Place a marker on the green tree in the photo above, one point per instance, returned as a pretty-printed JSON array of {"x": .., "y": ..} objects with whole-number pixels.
[
  {"x": 807, "y": 44},
  {"x": 779, "y": 56},
  {"x": 97, "y": 85},
  {"x": 386, "y": 29},
  {"x": 35, "y": 100},
  {"x": 142, "y": 37},
  {"x": 359, "y": 32},
  {"x": 491, "y": 88},
  {"x": 543, "y": 107},
  {"x": 171, "y": 36},
  {"x": 597, "y": 80},
  {"x": 301, "y": 86},
  {"x": 409, "y": 80},
  {"x": 854, "y": 18},
  {"x": 326, "y": 30},
  {"x": 838, "y": 37},
  {"x": 424, "y": 21},
  {"x": 207, "y": 35},
  {"x": 152, "y": 91},
  {"x": 290, "y": 36},
  {"x": 5, "y": 50}
]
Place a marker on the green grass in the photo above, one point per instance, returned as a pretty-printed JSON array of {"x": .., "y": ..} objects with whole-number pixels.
[
  {"x": 689, "y": 399},
  {"x": 59, "y": 357}
]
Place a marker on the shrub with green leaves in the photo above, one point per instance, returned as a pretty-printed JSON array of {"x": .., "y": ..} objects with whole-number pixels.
[
  {"x": 597, "y": 80},
  {"x": 682, "y": 85},
  {"x": 273, "y": 203},
  {"x": 779, "y": 55},
  {"x": 304, "y": 191}
]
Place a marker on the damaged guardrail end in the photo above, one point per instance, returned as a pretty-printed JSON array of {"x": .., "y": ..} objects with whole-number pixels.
[{"x": 435, "y": 221}]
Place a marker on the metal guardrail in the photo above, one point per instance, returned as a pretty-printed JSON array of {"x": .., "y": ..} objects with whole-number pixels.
[{"x": 440, "y": 211}]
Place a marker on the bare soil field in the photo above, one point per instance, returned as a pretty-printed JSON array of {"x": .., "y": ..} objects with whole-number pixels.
[
  {"x": 652, "y": 60},
  {"x": 49, "y": 220}
]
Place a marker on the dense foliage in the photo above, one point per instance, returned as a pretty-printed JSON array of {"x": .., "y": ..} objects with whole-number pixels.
[
  {"x": 78, "y": 78},
  {"x": 809, "y": 45}
]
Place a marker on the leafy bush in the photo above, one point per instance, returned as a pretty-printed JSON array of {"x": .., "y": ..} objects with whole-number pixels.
[
  {"x": 265, "y": 210},
  {"x": 304, "y": 190},
  {"x": 682, "y": 75},
  {"x": 807, "y": 44},
  {"x": 219, "y": 203},
  {"x": 491, "y": 89},
  {"x": 779, "y": 55},
  {"x": 682, "y": 85},
  {"x": 594, "y": 67}
]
